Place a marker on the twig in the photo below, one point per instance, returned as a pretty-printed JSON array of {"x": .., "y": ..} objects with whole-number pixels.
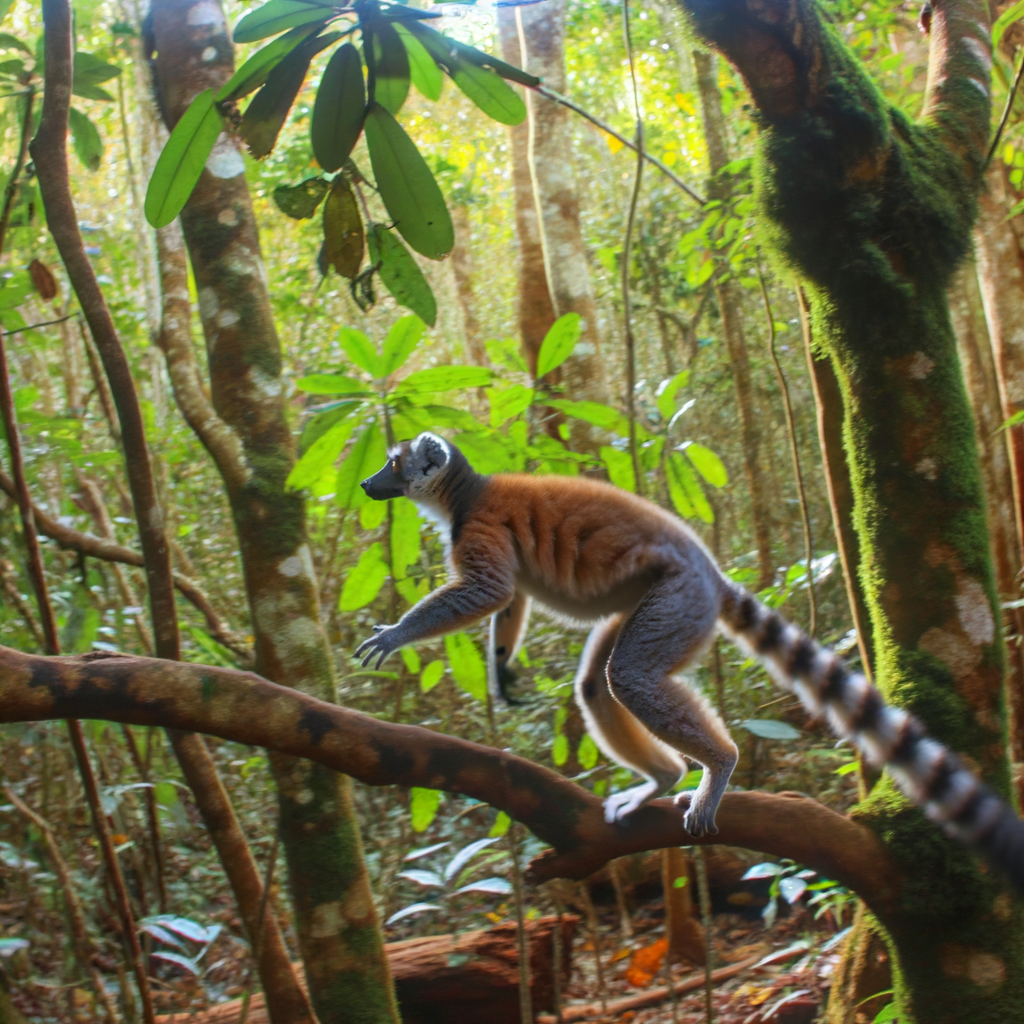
[
  {"x": 609, "y": 130},
  {"x": 626, "y": 247},
  {"x": 45, "y": 323},
  {"x": 705, "y": 913},
  {"x": 257, "y": 938},
  {"x": 787, "y": 407},
  {"x": 14, "y": 184},
  {"x": 1006, "y": 113},
  {"x": 152, "y": 817}
]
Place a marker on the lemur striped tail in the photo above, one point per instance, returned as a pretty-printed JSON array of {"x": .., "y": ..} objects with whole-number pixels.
[{"x": 930, "y": 775}]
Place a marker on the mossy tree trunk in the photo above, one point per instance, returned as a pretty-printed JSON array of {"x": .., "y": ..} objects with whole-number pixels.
[
  {"x": 873, "y": 212},
  {"x": 335, "y": 918}
]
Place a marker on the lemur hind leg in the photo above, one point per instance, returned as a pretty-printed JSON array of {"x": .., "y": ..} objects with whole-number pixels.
[
  {"x": 619, "y": 735},
  {"x": 669, "y": 630}
]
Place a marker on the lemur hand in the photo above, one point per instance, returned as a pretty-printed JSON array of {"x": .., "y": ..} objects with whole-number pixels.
[{"x": 382, "y": 643}]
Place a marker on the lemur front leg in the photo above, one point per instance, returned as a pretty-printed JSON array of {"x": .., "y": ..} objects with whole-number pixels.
[
  {"x": 450, "y": 608},
  {"x": 507, "y": 629}
]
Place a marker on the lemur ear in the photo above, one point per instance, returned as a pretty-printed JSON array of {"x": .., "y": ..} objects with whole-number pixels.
[{"x": 433, "y": 452}]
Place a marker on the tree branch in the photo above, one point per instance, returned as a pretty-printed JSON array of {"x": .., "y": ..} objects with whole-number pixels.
[
  {"x": 110, "y": 551},
  {"x": 245, "y": 708}
]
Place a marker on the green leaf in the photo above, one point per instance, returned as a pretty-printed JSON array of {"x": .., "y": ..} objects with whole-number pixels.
[
  {"x": 509, "y": 402},
  {"x": 446, "y": 378},
  {"x": 425, "y": 74},
  {"x": 410, "y": 658},
  {"x": 339, "y": 108},
  {"x": 253, "y": 73},
  {"x": 401, "y": 342},
  {"x": 708, "y": 464},
  {"x": 587, "y": 753},
  {"x": 358, "y": 347},
  {"x": 391, "y": 66},
  {"x": 320, "y": 456},
  {"x": 401, "y": 274},
  {"x": 467, "y": 664},
  {"x": 7, "y": 41},
  {"x": 667, "y": 393},
  {"x": 365, "y": 580},
  {"x": 596, "y": 413},
  {"x": 407, "y": 186},
  {"x": 372, "y": 514},
  {"x": 267, "y": 112},
  {"x": 444, "y": 49},
  {"x": 887, "y": 1014},
  {"x": 366, "y": 456},
  {"x": 770, "y": 729},
  {"x": 182, "y": 160},
  {"x": 88, "y": 144},
  {"x": 685, "y": 491},
  {"x": 560, "y": 750},
  {"x": 620, "y": 467},
  {"x": 343, "y": 230},
  {"x": 431, "y": 675},
  {"x": 1012, "y": 14},
  {"x": 89, "y": 71},
  {"x": 276, "y": 16},
  {"x": 405, "y": 536},
  {"x": 500, "y": 826},
  {"x": 559, "y": 342},
  {"x": 423, "y": 805},
  {"x": 166, "y": 794},
  {"x": 331, "y": 384},
  {"x": 300, "y": 201}
]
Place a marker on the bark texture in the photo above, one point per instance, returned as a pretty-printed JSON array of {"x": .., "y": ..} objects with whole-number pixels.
[
  {"x": 462, "y": 271},
  {"x": 730, "y": 306},
  {"x": 874, "y": 211},
  {"x": 336, "y": 921},
  {"x": 536, "y": 310},
  {"x": 542, "y": 42}
]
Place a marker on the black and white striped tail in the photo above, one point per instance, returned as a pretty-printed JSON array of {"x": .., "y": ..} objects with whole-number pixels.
[{"x": 930, "y": 775}]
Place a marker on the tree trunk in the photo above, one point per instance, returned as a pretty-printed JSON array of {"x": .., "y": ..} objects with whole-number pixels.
[
  {"x": 335, "y": 917},
  {"x": 536, "y": 310},
  {"x": 976, "y": 358},
  {"x": 875, "y": 212},
  {"x": 684, "y": 932},
  {"x": 542, "y": 41},
  {"x": 730, "y": 305},
  {"x": 462, "y": 270}
]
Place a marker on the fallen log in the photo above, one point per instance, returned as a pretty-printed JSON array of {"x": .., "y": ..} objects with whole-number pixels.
[
  {"x": 472, "y": 978},
  {"x": 652, "y": 997}
]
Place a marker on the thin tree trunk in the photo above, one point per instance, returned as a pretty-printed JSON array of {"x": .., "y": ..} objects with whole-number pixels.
[
  {"x": 337, "y": 926},
  {"x": 730, "y": 305},
  {"x": 542, "y": 42},
  {"x": 462, "y": 270},
  {"x": 536, "y": 310},
  {"x": 684, "y": 932},
  {"x": 976, "y": 358}
]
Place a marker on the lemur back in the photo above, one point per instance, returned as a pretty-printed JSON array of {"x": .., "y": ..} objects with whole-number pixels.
[{"x": 593, "y": 553}]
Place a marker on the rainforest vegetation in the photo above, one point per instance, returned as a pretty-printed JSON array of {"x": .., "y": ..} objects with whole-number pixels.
[{"x": 760, "y": 262}]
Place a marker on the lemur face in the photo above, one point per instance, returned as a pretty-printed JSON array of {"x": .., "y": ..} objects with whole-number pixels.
[{"x": 412, "y": 470}]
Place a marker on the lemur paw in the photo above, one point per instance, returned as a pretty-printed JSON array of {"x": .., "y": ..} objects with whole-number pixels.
[
  {"x": 619, "y": 805},
  {"x": 698, "y": 820},
  {"x": 380, "y": 645}
]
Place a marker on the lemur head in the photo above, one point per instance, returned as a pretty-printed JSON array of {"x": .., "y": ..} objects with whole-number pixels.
[{"x": 415, "y": 469}]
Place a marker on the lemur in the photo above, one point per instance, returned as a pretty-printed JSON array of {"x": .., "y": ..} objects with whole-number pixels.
[{"x": 592, "y": 553}]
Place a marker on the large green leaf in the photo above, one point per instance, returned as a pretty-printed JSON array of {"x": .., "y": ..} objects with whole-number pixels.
[
  {"x": 401, "y": 274},
  {"x": 423, "y": 805},
  {"x": 253, "y": 73},
  {"x": 401, "y": 342},
  {"x": 1012, "y": 14},
  {"x": 390, "y": 66},
  {"x": 559, "y": 342},
  {"x": 508, "y": 402},
  {"x": 595, "y": 413},
  {"x": 446, "y": 378},
  {"x": 331, "y": 384},
  {"x": 182, "y": 160},
  {"x": 300, "y": 201},
  {"x": 405, "y": 536},
  {"x": 89, "y": 71},
  {"x": 361, "y": 351},
  {"x": 423, "y": 71},
  {"x": 681, "y": 478},
  {"x": 467, "y": 664},
  {"x": 365, "y": 580},
  {"x": 276, "y": 16},
  {"x": 490, "y": 92},
  {"x": 265, "y": 116},
  {"x": 707, "y": 463},
  {"x": 339, "y": 108},
  {"x": 320, "y": 456},
  {"x": 9, "y": 42},
  {"x": 407, "y": 186},
  {"x": 366, "y": 456},
  {"x": 444, "y": 49},
  {"x": 667, "y": 393},
  {"x": 620, "y": 467},
  {"x": 88, "y": 144},
  {"x": 343, "y": 230}
]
